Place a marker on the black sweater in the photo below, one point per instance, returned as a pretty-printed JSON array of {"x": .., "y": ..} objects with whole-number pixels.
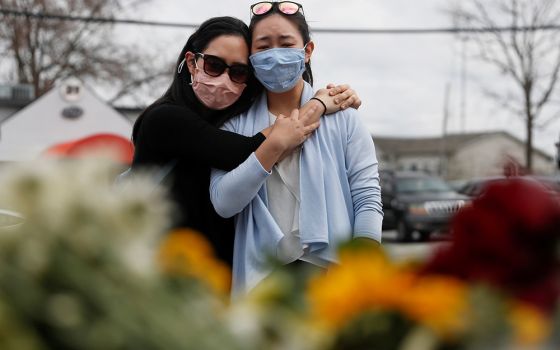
[{"x": 171, "y": 132}]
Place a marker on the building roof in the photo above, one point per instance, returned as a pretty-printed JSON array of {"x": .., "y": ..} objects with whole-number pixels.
[
  {"x": 434, "y": 145},
  {"x": 16, "y": 95},
  {"x": 67, "y": 112}
]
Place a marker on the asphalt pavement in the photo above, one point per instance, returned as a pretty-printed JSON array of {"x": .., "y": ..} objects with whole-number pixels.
[{"x": 415, "y": 251}]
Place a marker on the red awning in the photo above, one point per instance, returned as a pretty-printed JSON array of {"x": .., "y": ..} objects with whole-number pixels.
[{"x": 113, "y": 146}]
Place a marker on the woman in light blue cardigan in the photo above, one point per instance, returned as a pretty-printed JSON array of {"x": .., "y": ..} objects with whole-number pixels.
[{"x": 298, "y": 205}]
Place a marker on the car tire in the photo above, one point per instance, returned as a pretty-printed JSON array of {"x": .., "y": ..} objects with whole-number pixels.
[
  {"x": 425, "y": 236},
  {"x": 404, "y": 233}
]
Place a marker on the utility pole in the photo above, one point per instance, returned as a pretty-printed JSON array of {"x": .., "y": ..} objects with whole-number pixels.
[
  {"x": 557, "y": 144},
  {"x": 463, "y": 83},
  {"x": 443, "y": 149}
]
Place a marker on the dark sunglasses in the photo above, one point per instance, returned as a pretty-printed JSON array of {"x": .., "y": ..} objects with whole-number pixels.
[
  {"x": 214, "y": 66},
  {"x": 286, "y": 7}
]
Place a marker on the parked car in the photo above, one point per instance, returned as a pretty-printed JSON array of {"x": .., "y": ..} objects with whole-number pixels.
[
  {"x": 456, "y": 185},
  {"x": 475, "y": 187},
  {"x": 415, "y": 202}
]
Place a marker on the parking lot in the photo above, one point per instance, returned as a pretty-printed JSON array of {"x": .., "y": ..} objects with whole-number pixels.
[{"x": 412, "y": 250}]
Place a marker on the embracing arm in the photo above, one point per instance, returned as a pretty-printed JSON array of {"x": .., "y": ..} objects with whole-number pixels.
[
  {"x": 363, "y": 177},
  {"x": 328, "y": 101},
  {"x": 177, "y": 132},
  {"x": 232, "y": 191}
]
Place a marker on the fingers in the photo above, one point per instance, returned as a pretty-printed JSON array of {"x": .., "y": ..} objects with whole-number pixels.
[
  {"x": 349, "y": 102},
  {"x": 344, "y": 96},
  {"x": 339, "y": 89},
  {"x": 349, "y": 98},
  {"x": 357, "y": 103},
  {"x": 308, "y": 130},
  {"x": 295, "y": 114},
  {"x": 331, "y": 86},
  {"x": 352, "y": 101}
]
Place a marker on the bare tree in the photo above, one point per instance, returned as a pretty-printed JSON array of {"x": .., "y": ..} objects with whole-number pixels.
[
  {"x": 529, "y": 57},
  {"x": 43, "y": 51}
]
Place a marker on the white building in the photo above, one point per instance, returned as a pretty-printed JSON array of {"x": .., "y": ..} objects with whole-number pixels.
[
  {"x": 66, "y": 113},
  {"x": 459, "y": 156},
  {"x": 13, "y": 98}
]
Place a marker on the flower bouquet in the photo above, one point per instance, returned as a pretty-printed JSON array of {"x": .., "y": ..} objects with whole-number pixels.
[{"x": 93, "y": 266}]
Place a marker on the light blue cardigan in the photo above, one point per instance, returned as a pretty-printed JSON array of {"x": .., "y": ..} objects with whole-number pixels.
[{"x": 340, "y": 192}]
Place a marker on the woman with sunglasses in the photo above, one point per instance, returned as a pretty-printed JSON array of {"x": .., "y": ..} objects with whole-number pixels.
[
  {"x": 179, "y": 131},
  {"x": 295, "y": 208}
]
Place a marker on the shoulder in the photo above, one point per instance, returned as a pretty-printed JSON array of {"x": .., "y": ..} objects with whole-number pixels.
[
  {"x": 165, "y": 119},
  {"x": 170, "y": 115},
  {"x": 351, "y": 115},
  {"x": 347, "y": 119},
  {"x": 168, "y": 110},
  {"x": 235, "y": 123}
]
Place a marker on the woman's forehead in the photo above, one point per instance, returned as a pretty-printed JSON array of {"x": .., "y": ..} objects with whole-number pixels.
[
  {"x": 231, "y": 48},
  {"x": 276, "y": 26}
]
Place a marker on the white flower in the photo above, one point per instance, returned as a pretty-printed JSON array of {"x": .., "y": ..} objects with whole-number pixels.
[
  {"x": 244, "y": 321},
  {"x": 78, "y": 203},
  {"x": 65, "y": 310}
]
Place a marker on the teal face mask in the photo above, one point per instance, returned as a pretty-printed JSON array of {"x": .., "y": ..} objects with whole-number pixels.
[{"x": 279, "y": 69}]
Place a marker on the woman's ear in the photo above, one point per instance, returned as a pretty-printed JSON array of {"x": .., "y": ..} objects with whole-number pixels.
[
  {"x": 190, "y": 61},
  {"x": 309, "y": 51}
]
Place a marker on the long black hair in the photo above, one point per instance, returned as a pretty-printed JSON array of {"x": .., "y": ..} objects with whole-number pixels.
[
  {"x": 180, "y": 91},
  {"x": 299, "y": 20}
]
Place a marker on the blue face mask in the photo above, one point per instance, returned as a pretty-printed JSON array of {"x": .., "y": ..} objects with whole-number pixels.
[{"x": 279, "y": 69}]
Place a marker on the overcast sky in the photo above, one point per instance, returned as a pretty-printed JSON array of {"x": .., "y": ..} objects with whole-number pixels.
[{"x": 400, "y": 78}]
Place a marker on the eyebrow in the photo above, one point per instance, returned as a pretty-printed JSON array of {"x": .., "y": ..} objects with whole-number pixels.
[
  {"x": 282, "y": 37},
  {"x": 287, "y": 36},
  {"x": 262, "y": 38}
]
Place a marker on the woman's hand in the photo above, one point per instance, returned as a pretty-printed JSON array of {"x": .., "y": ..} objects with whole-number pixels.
[
  {"x": 290, "y": 132},
  {"x": 334, "y": 99},
  {"x": 339, "y": 97},
  {"x": 287, "y": 133},
  {"x": 345, "y": 96}
]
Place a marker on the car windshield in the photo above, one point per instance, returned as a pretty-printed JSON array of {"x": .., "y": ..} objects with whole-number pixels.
[{"x": 422, "y": 184}]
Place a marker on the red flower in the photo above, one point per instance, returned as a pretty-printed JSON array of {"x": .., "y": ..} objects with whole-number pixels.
[{"x": 508, "y": 237}]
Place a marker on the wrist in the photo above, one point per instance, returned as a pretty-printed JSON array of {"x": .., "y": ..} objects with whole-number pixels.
[
  {"x": 275, "y": 144},
  {"x": 320, "y": 104},
  {"x": 266, "y": 132},
  {"x": 269, "y": 152}
]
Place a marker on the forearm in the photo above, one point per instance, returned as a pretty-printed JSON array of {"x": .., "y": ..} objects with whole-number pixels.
[
  {"x": 266, "y": 132},
  {"x": 363, "y": 177},
  {"x": 311, "y": 112},
  {"x": 232, "y": 191},
  {"x": 175, "y": 133},
  {"x": 366, "y": 199},
  {"x": 268, "y": 154},
  {"x": 367, "y": 224}
]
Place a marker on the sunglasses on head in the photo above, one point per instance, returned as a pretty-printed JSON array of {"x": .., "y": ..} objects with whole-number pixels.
[
  {"x": 214, "y": 66},
  {"x": 286, "y": 7}
]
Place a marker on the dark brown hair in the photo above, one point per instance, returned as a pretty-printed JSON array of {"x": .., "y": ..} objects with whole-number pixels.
[
  {"x": 180, "y": 91},
  {"x": 299, "y": 20}
]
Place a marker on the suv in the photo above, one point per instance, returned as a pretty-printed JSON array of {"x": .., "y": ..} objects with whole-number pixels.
[
  {"x": 476, "y": 187},
  {"x": 417, "y": 202}
]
